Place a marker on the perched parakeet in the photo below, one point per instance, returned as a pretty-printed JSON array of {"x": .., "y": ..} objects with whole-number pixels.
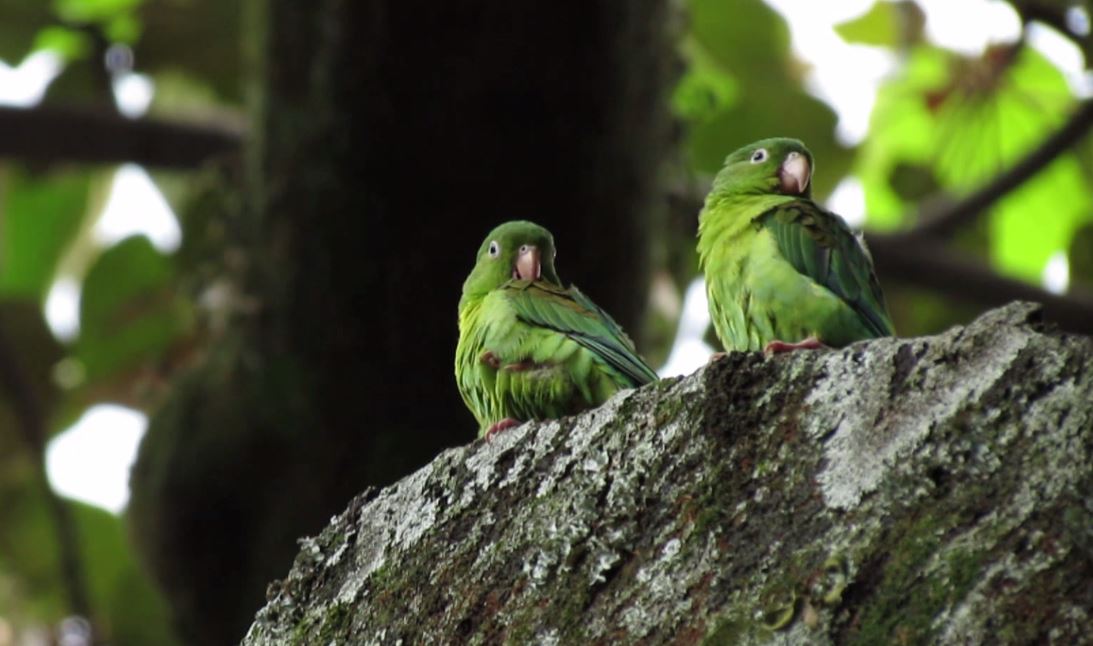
[
  {"x": 530, "y": 348},
  {"x": 781, "y": 271}
]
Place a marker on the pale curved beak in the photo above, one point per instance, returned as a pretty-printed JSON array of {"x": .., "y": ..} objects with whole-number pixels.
[
  {"x": 528, "y": 265},
  {"x": 795, "y": 173}
]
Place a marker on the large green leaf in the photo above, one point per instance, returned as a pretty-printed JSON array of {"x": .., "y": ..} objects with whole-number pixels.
[
  {"x": 779, "y": 110},
  {"x": 40, "y": 214},
  {"x": 960, "y": 122},
  {"x": 886, "y": 24},
  {"x": 1040, "y": 219},
  {"x": 749, "y": 39},
  {"x": 125, "y": 608},
  {"x": 28, "y": 545},
  {"x": 28, "y": 572},
  {"x": 116, "y": 19},
  {"x": 129, "y": 313},
  {"x": 743, "y": 84},
  {"x": 705, "y": 88}
]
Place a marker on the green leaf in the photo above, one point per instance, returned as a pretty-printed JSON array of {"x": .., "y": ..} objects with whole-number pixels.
[
  {"x": 1040, "y": 219},
  {"x": 27, "y": 567},
  {"x": 875, "y": 27},
  {"x": 779, "y": 110},
  {"x": 743, "y": 84},
  {"x": 960, "y": 121},
  {"x": 886, "y": 24},
  {"x": 126, "y": 608},
  {"x": 28, "y": 545},
  {"x": 748, "y": 39},
  {"x": 129, "y": 313},
  {"x": 93, "y": 10},
  {"x": 39, "y": 216},
  {"x": 705, "y": 89},
  {"x": 69, "y": 43}
]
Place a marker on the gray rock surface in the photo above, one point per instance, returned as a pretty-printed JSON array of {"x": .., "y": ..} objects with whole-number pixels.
[{"x": 929, "y": 490}]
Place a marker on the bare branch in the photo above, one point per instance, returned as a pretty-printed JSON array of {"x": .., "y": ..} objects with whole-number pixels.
[
  {"x": 928, "y": 263},
  {"x": 50, "y": 134},
  {"x": 945, "y": 222}
]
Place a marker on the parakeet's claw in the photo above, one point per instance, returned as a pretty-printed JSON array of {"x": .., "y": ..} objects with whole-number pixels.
[
  {"x": 490, "y": 359},
  {"x": 504, "y": 424},
  {"x": 778, "y": 347},
  {"x": 519, "y": 366},
  {"x": 715, "y": 357}
]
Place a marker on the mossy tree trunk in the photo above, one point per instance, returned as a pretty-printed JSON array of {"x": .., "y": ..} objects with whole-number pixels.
[
  {"x": 932, "y": 490},
  {"x": 389, "y": 137}
]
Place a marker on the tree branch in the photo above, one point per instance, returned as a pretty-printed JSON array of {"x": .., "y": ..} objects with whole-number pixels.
[
  {"x": 49, "y": 134},
  {"x": 945, "y": 222},
  {"x": 930, "y": 264}
]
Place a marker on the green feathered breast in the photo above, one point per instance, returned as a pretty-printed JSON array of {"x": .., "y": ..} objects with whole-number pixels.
[
  {"x": 531, "y": 349},
  {"x": 779, "y": 267}
]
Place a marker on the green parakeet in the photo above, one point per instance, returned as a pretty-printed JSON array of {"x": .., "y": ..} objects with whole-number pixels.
[
  {"x": 530, "y": 348},
  {"x": 781, "y": 271}
]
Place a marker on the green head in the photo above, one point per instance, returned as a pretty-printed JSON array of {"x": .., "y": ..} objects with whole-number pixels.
[
  {"x": 777, "y": 165},
  {"x": 517, "y": 250}
]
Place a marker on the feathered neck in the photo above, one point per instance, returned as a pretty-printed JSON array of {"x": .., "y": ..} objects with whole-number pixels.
[{"x": 727, "y": 215}]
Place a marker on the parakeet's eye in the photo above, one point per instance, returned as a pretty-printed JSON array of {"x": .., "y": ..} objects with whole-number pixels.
[
  {"x": 523, "y": 248},
  {"x": 495, "y": 249},
  {"x": 759, "y": 156}
]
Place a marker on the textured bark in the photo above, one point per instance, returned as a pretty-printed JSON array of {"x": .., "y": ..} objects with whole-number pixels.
[{"x": 931, "y": 490}]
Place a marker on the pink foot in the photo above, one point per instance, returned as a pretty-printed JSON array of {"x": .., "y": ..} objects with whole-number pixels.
[
  {"x": 490, "y": 359},
  {"x": 778, "y": 347},
  {"x": 715, "y": 357},
  {"x": 504, "y": 424}
]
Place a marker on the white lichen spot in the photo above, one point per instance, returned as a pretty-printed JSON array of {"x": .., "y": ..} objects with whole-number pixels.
[
  {"x": 336, "y": 557},
  {"x": 605, "y": 560},
  {"x": 671, "y": 548},
  {"x": 347, "y": 594}
]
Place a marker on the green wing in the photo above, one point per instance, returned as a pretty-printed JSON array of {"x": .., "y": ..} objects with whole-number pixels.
[
  {"x": 819, "y": 245},
  {"x": 570, "y": 312}
]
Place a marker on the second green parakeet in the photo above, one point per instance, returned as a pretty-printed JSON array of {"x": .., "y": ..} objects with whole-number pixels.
[
  {"x": 781, "y": 271},
  {"x": 530, "y": 348}
]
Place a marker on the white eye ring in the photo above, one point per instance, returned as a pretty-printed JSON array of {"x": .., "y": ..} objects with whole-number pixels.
[
  {"x": 759, "y": 156},
  {"x": 495, "y": 249}
]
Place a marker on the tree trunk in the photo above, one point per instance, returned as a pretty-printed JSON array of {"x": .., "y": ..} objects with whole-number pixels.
[
  {"x": 391, "y": 136},
  {"x": 931, "y": 490}
]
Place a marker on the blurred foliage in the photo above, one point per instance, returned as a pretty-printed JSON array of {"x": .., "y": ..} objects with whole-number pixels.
[
  {"x": 943, "y": 124},
  {"x": 953, "y": 123},
  {"x": 133, "y": 320},
  {"x": 742, "y": 84}
]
